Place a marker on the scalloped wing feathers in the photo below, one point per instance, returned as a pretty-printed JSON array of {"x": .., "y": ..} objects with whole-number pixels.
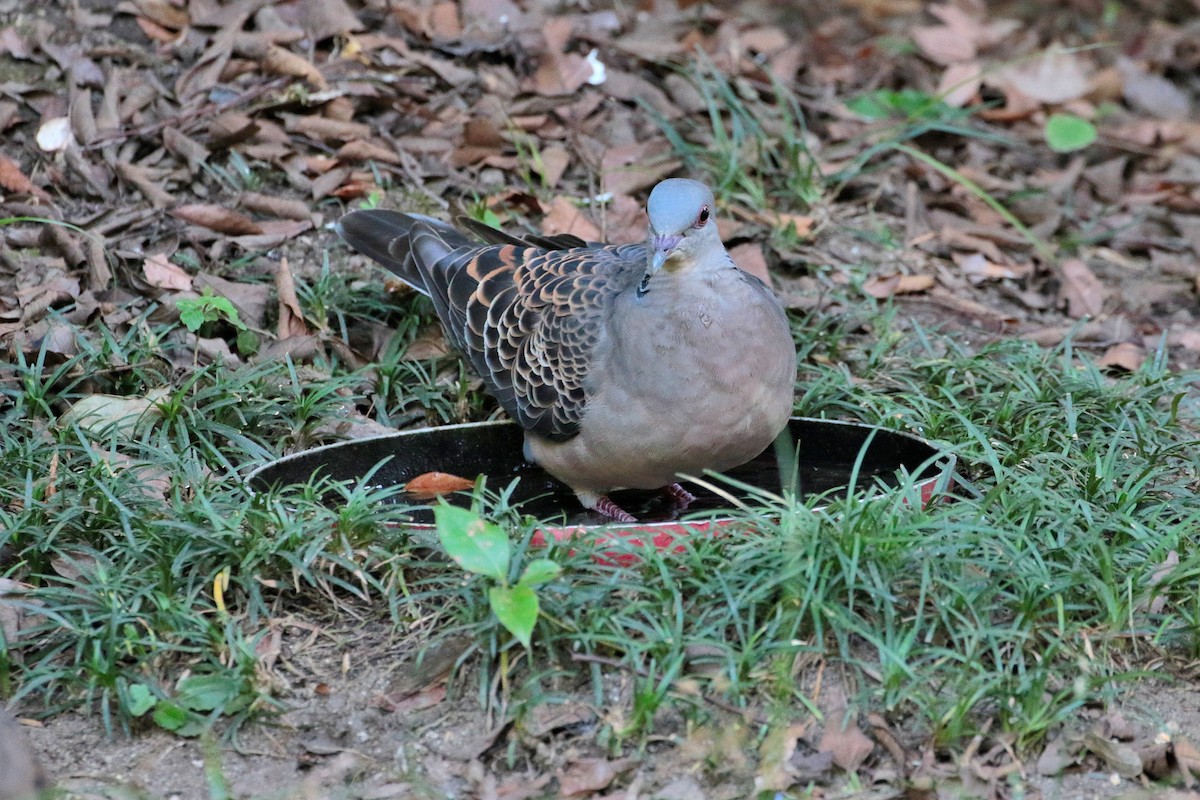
[{"x": 527, "y": 313}]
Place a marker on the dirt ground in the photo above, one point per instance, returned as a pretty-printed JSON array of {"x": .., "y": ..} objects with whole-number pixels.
[{"x": 338, "y": 742}]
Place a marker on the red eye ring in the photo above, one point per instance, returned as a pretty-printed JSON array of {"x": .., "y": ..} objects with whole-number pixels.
[{"x": 703, "y": 218}]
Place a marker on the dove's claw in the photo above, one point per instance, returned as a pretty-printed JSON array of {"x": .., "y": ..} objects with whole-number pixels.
[
  {"x": 680, "y": 497},
  {"x": 611, "y": 510}
]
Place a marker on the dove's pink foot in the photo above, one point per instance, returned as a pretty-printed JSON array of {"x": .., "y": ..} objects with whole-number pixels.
[
  {"x": 611, "y": 510},
  {"x": 680, "y": 497}
]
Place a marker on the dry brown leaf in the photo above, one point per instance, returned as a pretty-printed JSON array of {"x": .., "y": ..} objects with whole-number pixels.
[
  {"x": 216, "y": 218},
  {"x": 367, "y": 150},
  {"x": 161, "y": 273},
  {"x": 566, "y": 74},
  {"x": 1119, "y": 758},
  {"x": 226, "y": 130},
  {"x": 1188, "y": 338},
  {"x": 14, "y": 44},
  {"x": 560, "y": 72},
  {"x": 765, "y": 40},
  {"x": 978, "y": 268},
  {"x": 10, "y": 114},
  {"x": 585, "y": 775},
  {"x": 22, "y": 776},
  {"x": 1058, "y": 755},
  {"x": 430, "y": 343},
  {"x": 625, "y": 222},
  {"x": 163, "y": 13},
  {"x": 185, "y": 147},
  {"x": 14, "y": 180},
  {"x": 1160, "y": 574},
  {"x": 630, "y": 168},
  {"x": 355, "y": 187},
  {"x": 144, "y": 183},
  {"x": 979, "y": 238},
  {"x": 425, "y": 698},
  {"x": 1187, "y": 756},
  {"x": 545, "y": 718},
  {"x": 152, "y": 478},
  {"x": 956, "y": 304},
  {"x": 215, "y": 351},
  {"x": 300, "y": 349},
  {"x": 849, "y": 746},
  {"x": 35, "y": 301},
  {"x": 555, "y": 160},
  {"x": 943, "y": 45},
  {"x": 432, "y": 484},
  {"x": 633, "y": 88},
  {"x": 281, "y": 207},
  {"x": 322, "y": 19},
  {"x": 960, "y": 83},
  {"x": 775, "y": 770},
  {"x": 450, "y": 72},
  {"x": 291, "y": 318},
  {"x": 281, "y": 61},
  {"x": 250, "y": 299},
  {"x": 960, "y": 35},
  {"x": 13, "y": 609},
  {"x": 749, "y": 258},
  {"x": 1056, "y": 77},
  {"x": 883, "y": 286},
  {"x": 333, "y": 181},
  {"x": 1080, "y": 291},
  {"x": 444, "y": 22},
  {"x": 1126, "y": 356},
  {"x": 75, "y": 564},
  {"x": 799, "y": 225},
  {"x": 63, "y": 241},
  {"x": 1155, "y": 758},
  {"x": 206, "y": 71},
  {"x": 325, "y": 129},
  {"x": 726, "y": 744},
  {"x": 272, "y": 233},
  {"x": 104, "y": 413},
  {"x": 1153, "y": 94},
  {"x": 424, "y": 144},
  {"x": 563, "y": 216},
  {"x": 485, "y": 133},
  {"x": 155, "y": 32},
  {"x": 658, "y": 38},
  {"x": 518, "y": 786},
  {"x": 268, "y": 648},
  {"x": 83, "y": 118}
]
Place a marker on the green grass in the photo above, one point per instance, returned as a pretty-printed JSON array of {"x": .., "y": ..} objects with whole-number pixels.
[
  {"x": 1025, "y": 599},
  {"x": 754, "y": 150},
  {"x": 1034, "y": 584}
]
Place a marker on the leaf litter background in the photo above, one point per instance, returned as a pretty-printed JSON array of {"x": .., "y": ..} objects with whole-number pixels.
[{"x": 144, "y": 123}]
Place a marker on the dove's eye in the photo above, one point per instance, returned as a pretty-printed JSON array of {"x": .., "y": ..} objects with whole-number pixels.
[{"x": 703, "y": 218}]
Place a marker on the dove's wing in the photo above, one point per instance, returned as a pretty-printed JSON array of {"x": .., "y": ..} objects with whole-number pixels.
[{"x": 526, "y": 317}]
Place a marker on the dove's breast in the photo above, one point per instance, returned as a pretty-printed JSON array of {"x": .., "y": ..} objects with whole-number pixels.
[{"x": 696, "y": 373}]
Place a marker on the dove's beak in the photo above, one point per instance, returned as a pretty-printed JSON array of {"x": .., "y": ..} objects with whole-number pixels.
[{"x": 662, "y": 247}]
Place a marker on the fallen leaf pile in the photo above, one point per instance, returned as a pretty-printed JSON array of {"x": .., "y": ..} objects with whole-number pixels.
[{"x": 188, "y": 135}]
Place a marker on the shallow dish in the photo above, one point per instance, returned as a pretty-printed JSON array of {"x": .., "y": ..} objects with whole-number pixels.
[{"x": 829, "y": 454}]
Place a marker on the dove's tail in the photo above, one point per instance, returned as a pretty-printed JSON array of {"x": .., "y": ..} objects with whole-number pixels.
[
  {"x": 409, "y": 244},
  {"x": 404, "y": 243}
]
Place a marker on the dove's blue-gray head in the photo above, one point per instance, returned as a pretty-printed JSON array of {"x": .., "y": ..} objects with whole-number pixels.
[{"x": 682, "y": 224}]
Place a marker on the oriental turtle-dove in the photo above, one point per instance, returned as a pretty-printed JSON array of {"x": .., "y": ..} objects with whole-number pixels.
[{"x": 626, "y": 365}]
